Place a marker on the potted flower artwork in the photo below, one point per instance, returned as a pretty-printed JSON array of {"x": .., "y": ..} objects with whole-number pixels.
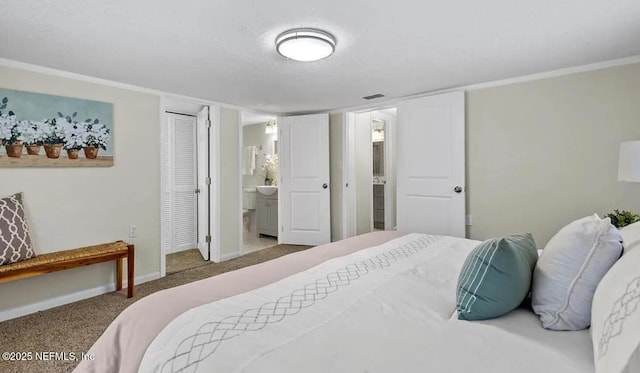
[
  {"x": 6, "y": 125},
  {"x": 10, "y": 135},
  {"x": 32, "y": 135},
  {"x": 95, "y": 136},
  {"x": 53, "y": 138},
  {"x": 72, "y": 131},
  {"x": 23, "y": 135}
]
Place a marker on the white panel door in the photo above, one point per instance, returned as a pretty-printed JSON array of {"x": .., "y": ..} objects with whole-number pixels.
[
  {"x": 184, "y": 182},
  {"x": 304, "y": 193},
  {"x": 431, "y": 169},
  {"x": 204, "y": 184}
]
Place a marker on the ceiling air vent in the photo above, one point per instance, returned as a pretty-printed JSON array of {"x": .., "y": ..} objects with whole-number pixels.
[{"x": 371, "y": 97}]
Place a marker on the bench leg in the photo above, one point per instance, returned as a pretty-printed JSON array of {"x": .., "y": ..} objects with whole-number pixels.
[
  {"x": 119, "y": 274},
  {"x": 130, "y": 273}
]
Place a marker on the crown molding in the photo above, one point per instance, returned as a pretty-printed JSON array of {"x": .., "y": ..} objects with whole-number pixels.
[
  {"x": 110, "y": 83},
  {"x": 497, "y": 83}
]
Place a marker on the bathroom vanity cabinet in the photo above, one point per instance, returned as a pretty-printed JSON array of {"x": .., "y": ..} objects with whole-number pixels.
[
  {"x": 378, "y": 206},
  {"x": 267, "y": 214}
]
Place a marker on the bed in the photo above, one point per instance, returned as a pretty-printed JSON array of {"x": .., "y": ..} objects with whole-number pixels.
[{"x": 379, "y": 302}]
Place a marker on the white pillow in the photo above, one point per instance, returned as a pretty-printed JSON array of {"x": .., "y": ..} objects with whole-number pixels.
[
  {"x": 630, "y": 236},
  {"x": 569, "y": 270},
  {"x": 615, "y": 320}
]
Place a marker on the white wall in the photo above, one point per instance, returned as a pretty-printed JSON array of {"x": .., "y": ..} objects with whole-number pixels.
[
  {"x": 543, "y": 153},
  {"x": 230, "y": 218},
  {"x": 253, "y": 135},
  {"x": 74, "y": 207},
  {"x": 336, "y": 147}
]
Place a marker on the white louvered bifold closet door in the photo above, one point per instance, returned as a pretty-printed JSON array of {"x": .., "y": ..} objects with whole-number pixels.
[
  {"x": 166, "y": 179},
  {"x": 184, "y": 183}
]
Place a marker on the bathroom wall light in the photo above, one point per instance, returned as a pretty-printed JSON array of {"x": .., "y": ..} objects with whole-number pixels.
[
  {"x": 271, "y": 128},
  {"x": 305, "y": 44}
]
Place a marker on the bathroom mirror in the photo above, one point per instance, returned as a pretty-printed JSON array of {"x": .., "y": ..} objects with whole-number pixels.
[{"x": 377, "y": 142}]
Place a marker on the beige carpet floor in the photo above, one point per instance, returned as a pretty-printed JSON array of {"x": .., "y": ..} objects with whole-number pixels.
[
  {"x": 76, "y": 326},
  {"x": 183, "y": 260}
]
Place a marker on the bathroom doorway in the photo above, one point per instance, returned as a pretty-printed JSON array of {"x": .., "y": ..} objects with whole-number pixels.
[
  {"x": 374, "y": 170},
  {"x": 378, "y": 179},
  {"x": 260, "y": 166}
]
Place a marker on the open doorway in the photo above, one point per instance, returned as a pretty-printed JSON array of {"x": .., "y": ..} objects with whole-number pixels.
[
  {"x": 378, "y": 179},
  {"x": 260, "y": 168},
  {"x": 374, "y": 174}
]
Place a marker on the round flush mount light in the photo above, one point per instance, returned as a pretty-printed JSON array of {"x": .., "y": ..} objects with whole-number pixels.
[{"x": 305, "y": 44}]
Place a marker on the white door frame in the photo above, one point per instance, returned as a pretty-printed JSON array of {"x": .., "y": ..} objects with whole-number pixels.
[
  {"x": 190, "y": 107},
  {"x": 241, "y": 250},
  {"x": 214, "y": 172},
  {"x": 203, "y": 128}
]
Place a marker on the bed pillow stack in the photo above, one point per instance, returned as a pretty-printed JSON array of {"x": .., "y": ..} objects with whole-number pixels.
[
  {"x": 15, "y": 241},
  {"x": 615, "y": 320},
  {"x": 496, "y": 277},
  {"x": 569, "y": 270}
]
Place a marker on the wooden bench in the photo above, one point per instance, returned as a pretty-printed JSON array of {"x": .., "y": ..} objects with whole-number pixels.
[{"x": 61, "y": 260}]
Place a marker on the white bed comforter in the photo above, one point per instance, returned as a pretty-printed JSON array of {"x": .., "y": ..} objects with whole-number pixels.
[{"x": 389, "y": 308}]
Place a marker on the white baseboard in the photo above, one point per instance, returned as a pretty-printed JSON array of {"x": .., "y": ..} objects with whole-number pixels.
[{"x": 69, "y": 298}]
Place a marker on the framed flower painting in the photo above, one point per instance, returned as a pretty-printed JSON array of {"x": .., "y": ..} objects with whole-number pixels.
[{"x": 40, "y": 130}]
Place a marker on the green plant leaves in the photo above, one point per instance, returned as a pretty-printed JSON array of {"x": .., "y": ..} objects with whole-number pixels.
[{"x": 622, "y": 218}]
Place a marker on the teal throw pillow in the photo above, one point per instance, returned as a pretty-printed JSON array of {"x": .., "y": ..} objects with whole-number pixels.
[{"x": 496, "y": 277}]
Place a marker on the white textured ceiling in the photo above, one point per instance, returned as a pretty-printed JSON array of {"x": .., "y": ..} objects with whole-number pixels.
[{"x": 224, "y": 50}]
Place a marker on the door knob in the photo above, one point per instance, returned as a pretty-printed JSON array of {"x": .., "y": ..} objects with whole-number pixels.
[
  {"x": 325, "y": 186},
  {"x": 457, "y": 189}
]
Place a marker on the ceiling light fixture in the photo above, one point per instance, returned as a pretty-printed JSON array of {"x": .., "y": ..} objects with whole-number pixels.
[{"x": 305, "y": 44}]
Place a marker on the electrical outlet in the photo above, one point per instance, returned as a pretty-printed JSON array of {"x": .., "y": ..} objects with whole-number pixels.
[
  {"x": 133, "y": 231},
  {"x": 468, "y": 220}
]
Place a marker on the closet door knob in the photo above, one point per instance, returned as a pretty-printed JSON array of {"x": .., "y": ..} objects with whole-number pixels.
[
  {"x": 457, "y": 189},
  {"x": 325, "y": 186}
]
